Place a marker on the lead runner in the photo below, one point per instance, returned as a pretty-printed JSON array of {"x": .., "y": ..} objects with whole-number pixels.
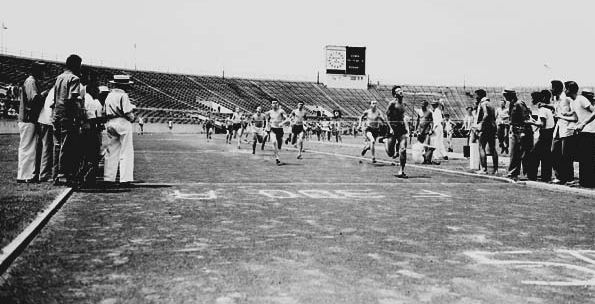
[
  {"x": 395, "y": 115},
  {"x": 275, "y": 119},
  {"x": 257, "y": 122}
]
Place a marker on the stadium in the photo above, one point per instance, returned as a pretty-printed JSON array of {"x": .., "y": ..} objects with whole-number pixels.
[{"x": 225, "y": 209}]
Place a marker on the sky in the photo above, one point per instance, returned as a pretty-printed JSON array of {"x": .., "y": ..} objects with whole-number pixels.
[{"x": 431, "y": 42}]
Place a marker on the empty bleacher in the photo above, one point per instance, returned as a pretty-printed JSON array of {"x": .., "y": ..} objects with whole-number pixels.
[{"x": 166, "y": 96}]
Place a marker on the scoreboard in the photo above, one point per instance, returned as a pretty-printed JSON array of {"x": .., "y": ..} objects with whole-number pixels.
[{"x": 345, "y": 66}]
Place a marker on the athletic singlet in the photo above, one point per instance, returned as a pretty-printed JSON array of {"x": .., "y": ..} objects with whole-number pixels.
[
  {"x": 276, "y": 117},
  {"x": 258, "y": 120},
  {"x": 395, "y": 113},
  {"x": 372, "y": 118},
  {"x": 236, "y": 117},
  {"x": 298, "y": 117}
]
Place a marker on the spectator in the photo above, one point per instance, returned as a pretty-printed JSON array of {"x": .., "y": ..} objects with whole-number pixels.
[
  {"x": 45, "y": 142},
  {"x": 468, "y": 120},
  {"x": 91, "y": 133},
  {"x": 486, "y": 131},
  {"x": 563, "y": 136},
  {"x": 585, "y": 128},
  {"x": 449, "y": 127},
  {"x": 141, "y": 124},
  {"x": 120, "y": 150},
  {"x": 542, "y": 151},
  {"x": 31, "y": 103},
  {"x": 67, "y": 118},
  {"x": 521, "y": 137},
  {"x": 503, "y": 122},
  {"x": 437, "y": 135}
]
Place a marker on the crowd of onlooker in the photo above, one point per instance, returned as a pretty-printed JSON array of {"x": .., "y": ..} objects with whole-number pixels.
[
  {"x": 544, "y": 137},
  {"x": 60, "y": 127}
]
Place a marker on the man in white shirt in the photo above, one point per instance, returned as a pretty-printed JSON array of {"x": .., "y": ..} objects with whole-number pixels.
[
  {"x": 503, "y": 123},
  {"x": 45, "y": 141},
  {"x": 120, "y": 150},
  {"x": 563, "y": 137},
  {"x": 585, "y": 128},
  {"x": 542, "y": 150},
  {"x": 31, "y": 102},
  {"x": 91, "y": 133},
  {"x": 437, "y": 137}
]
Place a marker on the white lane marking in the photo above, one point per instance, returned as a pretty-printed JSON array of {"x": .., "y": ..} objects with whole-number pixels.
[
  {"x": 278, "y": 194},
  {"x": 304, "y": 183},
  {"x": 484, "y": 257},
  {"x": 432, "y": 194},
  {"x": 209, "y": 195}
]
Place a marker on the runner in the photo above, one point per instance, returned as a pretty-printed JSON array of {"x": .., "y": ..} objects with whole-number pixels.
[
  {"x": 372, "y": 128},
  {"x": 236, "y": 119},
  {"x": 276, "y": 118},
  {"x": 399, "y": 127},
  {"x": 228, "y": 130},
  {"x": 208, "y": 126},
  {"x": 298, "y": 117},
  {"x": 257, "y": 122}
]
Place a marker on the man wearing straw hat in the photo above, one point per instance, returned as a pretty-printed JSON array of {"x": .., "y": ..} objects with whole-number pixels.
[{"x": 120, "y": 151}]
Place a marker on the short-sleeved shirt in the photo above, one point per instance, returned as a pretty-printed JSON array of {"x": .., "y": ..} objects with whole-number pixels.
[
  {"x": 45, "y": 116},
  {"x": 581, "y": 106},
  {"x": 30, "y": 96},
  {"x": 563, "y": 127},
  {"x": 93, "y": 107},
  {"x": 545, "y": 113},
  {"x": 66, "y": 92},
  {"x": 117, "y": 104}
]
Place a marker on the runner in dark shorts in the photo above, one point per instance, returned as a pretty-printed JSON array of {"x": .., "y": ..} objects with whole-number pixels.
[
  {"x": 276, "y": 118},
  {"x": 397, "y": 138},
  {"x": 373, "y": 118},
  {"x": 298, "y": 116}
]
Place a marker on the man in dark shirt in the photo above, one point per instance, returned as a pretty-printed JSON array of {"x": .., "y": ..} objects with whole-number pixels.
[
  {"x": 486, "y": 131},
  {"x": 521, "y": 135},
  {"x": 395, "y": 114},
  {"x": 68, "y": 112}
]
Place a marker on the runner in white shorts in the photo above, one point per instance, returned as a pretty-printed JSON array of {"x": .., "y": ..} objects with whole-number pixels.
[{"x": 258, "y": 122}]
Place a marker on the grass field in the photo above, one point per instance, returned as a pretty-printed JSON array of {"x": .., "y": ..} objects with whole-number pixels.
[
  {"x": 19, "y": 203},
  {"x": 213, "y": 224}
]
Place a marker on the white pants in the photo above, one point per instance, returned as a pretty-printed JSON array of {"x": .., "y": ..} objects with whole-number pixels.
[
  {"x": 120, "y": 151},
  {"x": 437, "y": 140},
  {"x": 27, "y": 151}
]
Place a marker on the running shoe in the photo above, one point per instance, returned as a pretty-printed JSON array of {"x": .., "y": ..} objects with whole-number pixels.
[{"x": 366, "y": 148}]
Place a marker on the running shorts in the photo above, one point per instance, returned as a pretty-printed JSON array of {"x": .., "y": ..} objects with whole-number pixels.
[
  {"x": 297, "y": 129},
  {"x": 375, "y": 131},
  {"x": 237, "y": 126},
  {"x": 278, "y": 135}
]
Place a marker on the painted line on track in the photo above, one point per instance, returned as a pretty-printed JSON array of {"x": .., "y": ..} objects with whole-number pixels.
[
  {"x": 156, "y": 184},
  {"x": 11, "y": 251}
]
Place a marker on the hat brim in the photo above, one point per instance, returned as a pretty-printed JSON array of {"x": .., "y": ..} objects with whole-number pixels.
[{"x": 116, "y": 82}]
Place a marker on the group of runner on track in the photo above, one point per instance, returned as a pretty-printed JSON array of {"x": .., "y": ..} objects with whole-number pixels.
[{"x": 269, "y": 125}]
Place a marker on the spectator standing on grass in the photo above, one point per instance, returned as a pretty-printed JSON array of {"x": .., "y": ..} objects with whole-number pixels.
[
  {"x": 521, "y": 137},
  {"x": 120, "y": 149},
  {"x": 585, "y": 128},
  {"x": 563, "y": 137},
  {"x": 542, "y": 152},
  {"x": 90, "y": 133},
  {"x": 486, "y": 131},
  {"x": 170, "y": 125},
  {"x": 31, "y": 102},
  {"x": 503, "y": 122},
  {"x": 468, "y": 120},
  {"x": 45, "y": 141},
  {"x": 67, "y": 119}
]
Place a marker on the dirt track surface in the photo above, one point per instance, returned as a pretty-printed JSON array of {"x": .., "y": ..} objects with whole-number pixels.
[{"x": 213, "y": 224}]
